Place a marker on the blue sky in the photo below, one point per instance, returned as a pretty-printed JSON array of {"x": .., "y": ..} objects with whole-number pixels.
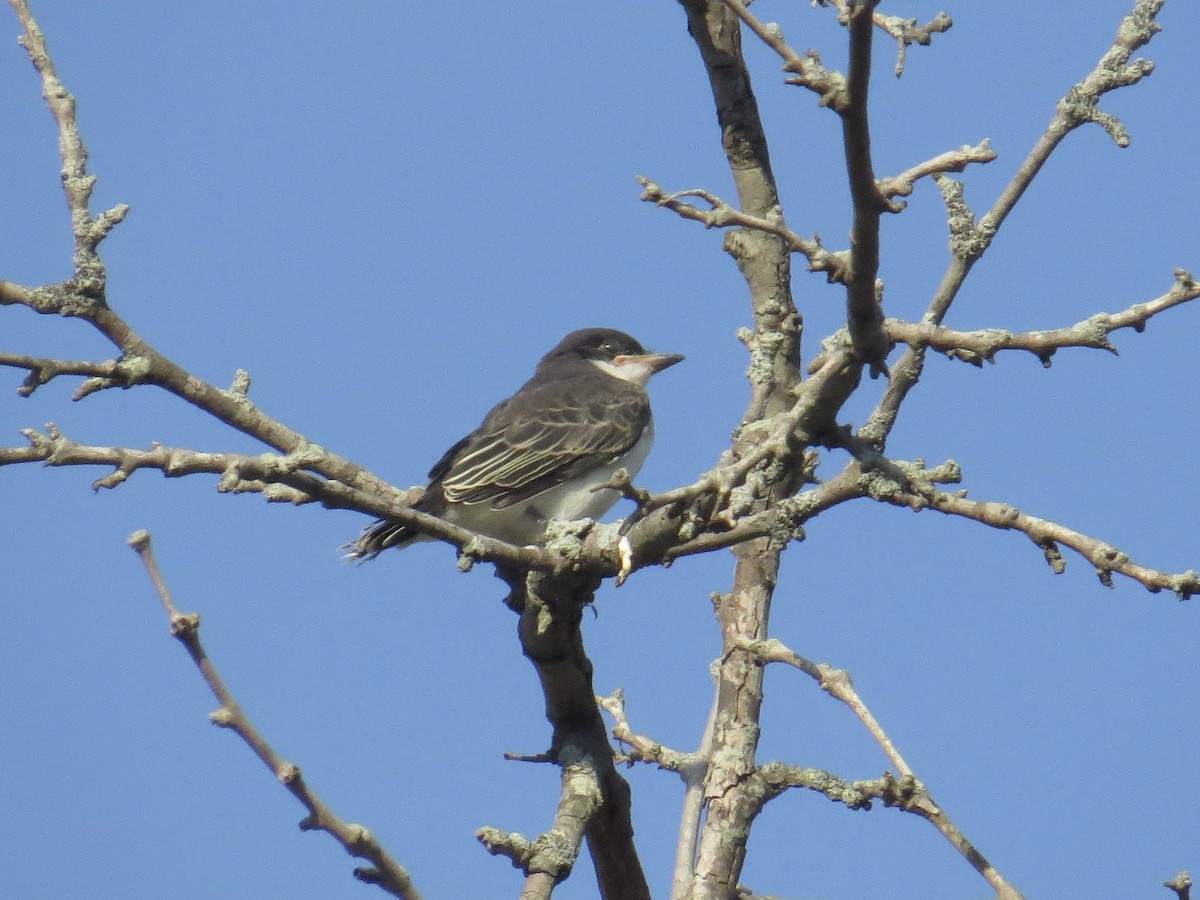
[{"x": 386, "y": 217}]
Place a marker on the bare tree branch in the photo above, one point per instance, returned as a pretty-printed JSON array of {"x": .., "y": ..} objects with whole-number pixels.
[
  {"x": 549, "y": 858},
  {"x": 864, "y": 308},
  {"x": 1181, "y": 884},
  {"x": 977, "y": 347},
  {"x": 764, "y": 261},
  {"x": 1076, "y": 108},
  {"x": 906, "y": 32},
  {"x": 909, "y": 793},
  {"x": 88, "y": 232},
  {"x": 355, "y": 839},
  {"x": 721, "y": 214},
  {"x": 848, "y": 97},
  {"x": 691, "y": 767},
  {"x": 836, "y": 264},
  {"x": 596, "y": 799},
  {"x": 752, "y": 499},
  {"x": 1048, "y": 536},
  {"x": 951, "y": 161},
  {"x": 43, "y": 370},
  {"x": 830, "y": 87},
  {"x": 279, "y": 478}
]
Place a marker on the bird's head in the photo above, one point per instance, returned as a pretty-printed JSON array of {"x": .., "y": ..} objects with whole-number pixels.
[{"x": 612, "y": 351}]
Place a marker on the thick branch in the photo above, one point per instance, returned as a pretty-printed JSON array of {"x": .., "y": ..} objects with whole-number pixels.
[
  {"x": 864, "y": 311},
  {"x": 764, "y": 261},
  {"x": 551, "y": 609}
]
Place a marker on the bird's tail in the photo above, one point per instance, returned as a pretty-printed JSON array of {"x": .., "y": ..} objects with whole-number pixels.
[{"x": 378, "y": 537}]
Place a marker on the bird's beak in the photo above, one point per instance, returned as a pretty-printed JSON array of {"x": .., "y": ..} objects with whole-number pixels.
[{"x": 651, "y": 362}]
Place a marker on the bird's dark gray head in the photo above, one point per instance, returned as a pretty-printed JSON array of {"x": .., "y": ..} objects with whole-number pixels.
[
  {"x": 595, "y": 343},
  {"x": 615, "y": 352}
]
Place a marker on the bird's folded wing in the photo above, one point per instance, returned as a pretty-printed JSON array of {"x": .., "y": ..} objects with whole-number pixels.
[{"x": 528, "y": 445}]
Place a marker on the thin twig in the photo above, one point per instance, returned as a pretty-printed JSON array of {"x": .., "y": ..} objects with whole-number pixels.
[
  {"x": 722, "y": 214},
  {"x": 83, "y": 296},
  {"x": 977, "y": 347},
  {"x": 355, "y": 839},
  {"x": 42, "y": 370},
  {"x": 88, "y": 231},
  {"x": 806, "y": 69},
  {"x": 905, "y": 32},
  {"x": 1078, "y": 107},
  {"x": 951, "y": 161},
  {"x": 1048, "y": 536},
  {"x": 913, "y": 795}
]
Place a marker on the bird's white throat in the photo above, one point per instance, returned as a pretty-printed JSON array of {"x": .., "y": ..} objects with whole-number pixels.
[{"x": 627, "y": 368}]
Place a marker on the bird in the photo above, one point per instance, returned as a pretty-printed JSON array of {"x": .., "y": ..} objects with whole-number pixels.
[{"x": 542, "y": 454}]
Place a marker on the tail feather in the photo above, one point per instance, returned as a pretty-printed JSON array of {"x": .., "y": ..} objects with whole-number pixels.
[
  {"x": 378, "y": 537},
  {"x": 382, "y": 534}
]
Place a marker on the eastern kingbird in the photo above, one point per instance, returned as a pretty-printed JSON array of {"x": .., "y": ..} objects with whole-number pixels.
[{"x": 539, "y": 454}]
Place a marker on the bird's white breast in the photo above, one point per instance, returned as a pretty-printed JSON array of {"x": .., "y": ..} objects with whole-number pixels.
[{"x": 576, "y": 500}]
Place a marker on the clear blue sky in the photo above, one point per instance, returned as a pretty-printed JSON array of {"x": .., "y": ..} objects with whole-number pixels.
[{"x": 386, "y": 213}]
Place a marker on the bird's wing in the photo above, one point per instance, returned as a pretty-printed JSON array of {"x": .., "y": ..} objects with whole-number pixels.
[{"x": 540, "y": 438}]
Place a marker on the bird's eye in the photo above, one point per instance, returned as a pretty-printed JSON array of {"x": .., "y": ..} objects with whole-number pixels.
[{"x": 609, "y": 347}]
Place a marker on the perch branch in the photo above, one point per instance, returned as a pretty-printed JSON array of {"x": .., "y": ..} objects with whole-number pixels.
[
  {"x": 595, "y": 798},
  {"x": 279, "y": 478}
]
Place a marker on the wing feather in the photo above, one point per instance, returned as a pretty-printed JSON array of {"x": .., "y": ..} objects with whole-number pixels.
[{"x": 542, "y": 437}]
